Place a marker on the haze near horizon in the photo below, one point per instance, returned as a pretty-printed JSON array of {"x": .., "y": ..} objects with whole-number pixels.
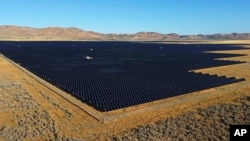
[{"x": 183, "y": 17}]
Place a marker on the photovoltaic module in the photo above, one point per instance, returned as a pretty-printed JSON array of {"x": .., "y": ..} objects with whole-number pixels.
[{"x": 114, "y": 75}]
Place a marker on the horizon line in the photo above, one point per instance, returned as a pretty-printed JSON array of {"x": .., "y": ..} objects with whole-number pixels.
[{"x": 65, "y": 27}]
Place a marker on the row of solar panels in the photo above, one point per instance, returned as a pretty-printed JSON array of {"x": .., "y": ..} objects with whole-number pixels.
[
  {"x": 121, "y": 74},
  {"x": 110, "y": 92}
]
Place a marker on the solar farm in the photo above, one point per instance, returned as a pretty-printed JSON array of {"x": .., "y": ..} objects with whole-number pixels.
[{"x": 115, "y": 75}]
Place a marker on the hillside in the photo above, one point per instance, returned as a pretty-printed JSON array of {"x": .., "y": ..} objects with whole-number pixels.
[{"x": 72, "y": 33}]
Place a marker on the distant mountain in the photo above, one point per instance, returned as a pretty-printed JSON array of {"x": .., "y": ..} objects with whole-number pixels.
[
  {"x": 57, "y": 33},
  {"x": 72, "y": 33}
]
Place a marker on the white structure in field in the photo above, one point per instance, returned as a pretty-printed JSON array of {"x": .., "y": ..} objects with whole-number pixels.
[{"x": 89, "y": 58}]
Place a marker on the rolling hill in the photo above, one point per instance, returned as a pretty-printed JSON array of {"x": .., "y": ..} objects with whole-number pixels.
[{"x": 58, "y": 33}]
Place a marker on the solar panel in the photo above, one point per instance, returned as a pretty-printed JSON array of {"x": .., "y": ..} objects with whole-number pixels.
[{"x": 114, "y": 75}]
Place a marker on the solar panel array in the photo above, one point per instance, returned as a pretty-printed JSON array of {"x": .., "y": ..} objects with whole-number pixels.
[{"x": 114, "y": 75}]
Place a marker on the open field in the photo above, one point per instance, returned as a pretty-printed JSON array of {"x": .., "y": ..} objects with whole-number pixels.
[
  {"x": 32, "y": 111},
  {"x": 242, "y": 42}
]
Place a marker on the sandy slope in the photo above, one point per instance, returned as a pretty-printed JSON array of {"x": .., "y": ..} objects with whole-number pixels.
[{"x": 31, "y": 111}]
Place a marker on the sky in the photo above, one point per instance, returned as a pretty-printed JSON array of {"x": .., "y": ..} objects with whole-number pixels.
[{"x": 183, "y": 17}]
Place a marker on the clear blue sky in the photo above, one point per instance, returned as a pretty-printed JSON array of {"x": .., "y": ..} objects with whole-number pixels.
[{"x": 131, "y": 16}]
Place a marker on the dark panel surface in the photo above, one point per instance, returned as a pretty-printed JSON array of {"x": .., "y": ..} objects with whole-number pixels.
[{"x": 113, "y": 75}]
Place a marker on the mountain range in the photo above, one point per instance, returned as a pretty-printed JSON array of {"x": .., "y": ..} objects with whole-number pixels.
[{"x": 8, "y": 32}]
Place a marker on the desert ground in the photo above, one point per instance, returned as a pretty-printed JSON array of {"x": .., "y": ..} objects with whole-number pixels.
[{"x": 33, "y": 110}]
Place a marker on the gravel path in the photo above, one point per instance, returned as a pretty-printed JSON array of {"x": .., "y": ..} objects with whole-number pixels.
[{"x": 211, "y": 123}]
